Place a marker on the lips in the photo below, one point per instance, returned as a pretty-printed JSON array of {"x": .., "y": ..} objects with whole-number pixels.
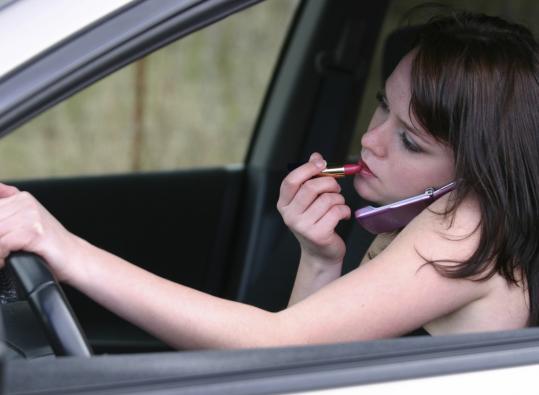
[{"x": 365, "y": 169}]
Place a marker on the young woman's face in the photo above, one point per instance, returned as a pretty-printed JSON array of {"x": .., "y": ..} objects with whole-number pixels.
[{"x": 402, "y": 158}]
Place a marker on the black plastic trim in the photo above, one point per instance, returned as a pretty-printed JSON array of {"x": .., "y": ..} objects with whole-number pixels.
[
  {"x": 49, "y": 304},
  {"x": 311, "y": 105}
]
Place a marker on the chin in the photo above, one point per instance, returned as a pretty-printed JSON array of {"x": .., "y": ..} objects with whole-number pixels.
[{"x": 367, "y": 193}]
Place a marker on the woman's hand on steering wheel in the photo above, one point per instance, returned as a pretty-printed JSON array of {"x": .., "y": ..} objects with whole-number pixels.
[{"x": 25, "y": 225}]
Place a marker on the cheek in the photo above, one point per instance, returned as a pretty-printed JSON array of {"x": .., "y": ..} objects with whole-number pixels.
[
  {"x": 406, "y": 181},
  {"x": 393, "y": 183},
  {"x": 413, "y": 177},
  {"x": 401, "y": 175},
  {"x": 435, "y": 172},
  {"x": 443, "y": 169}
]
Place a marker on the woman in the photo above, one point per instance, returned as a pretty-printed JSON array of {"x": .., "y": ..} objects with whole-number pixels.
[{"x": 460, "y": 106}]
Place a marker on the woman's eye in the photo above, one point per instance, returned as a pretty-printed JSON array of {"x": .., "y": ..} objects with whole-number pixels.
[
  {"x": 409, "y": 144},
  {"x": 382, "y": 102}
]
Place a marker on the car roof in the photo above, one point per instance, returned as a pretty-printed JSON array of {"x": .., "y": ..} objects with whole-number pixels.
[{"x": 28, "y": 23}]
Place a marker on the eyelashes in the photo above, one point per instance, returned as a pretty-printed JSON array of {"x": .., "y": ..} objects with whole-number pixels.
[
  {"x": 382, "y": 101},
  {"x": 406, "y": 141}
]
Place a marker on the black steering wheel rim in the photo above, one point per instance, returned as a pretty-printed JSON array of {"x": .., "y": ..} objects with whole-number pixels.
[{"x": 26, "y": 275}]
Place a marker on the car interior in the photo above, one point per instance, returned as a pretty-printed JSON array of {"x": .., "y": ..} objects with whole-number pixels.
[
  {"x": 216, "y": 228},
  {"x": 238, "y": 246}
]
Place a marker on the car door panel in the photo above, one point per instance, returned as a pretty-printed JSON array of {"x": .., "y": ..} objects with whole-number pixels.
[
  {"x": 285, "y": 370},
  {"x": 177, "y": 224},
  {"x": 174, "y": 224}
]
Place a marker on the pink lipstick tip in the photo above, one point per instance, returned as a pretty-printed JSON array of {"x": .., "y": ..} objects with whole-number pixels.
[{"x": 353, "y": 168}]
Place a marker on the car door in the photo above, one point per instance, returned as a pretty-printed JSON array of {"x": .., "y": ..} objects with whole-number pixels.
[
  {"x": 209, "y": 223},
  {"x": 149, "y": 162},
  {"x": 241, "y": 249},
  {"x": 175, "y": 201}
]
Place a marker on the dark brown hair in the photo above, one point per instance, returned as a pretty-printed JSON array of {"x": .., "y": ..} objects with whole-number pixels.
[{"x": 475, "y": 87}]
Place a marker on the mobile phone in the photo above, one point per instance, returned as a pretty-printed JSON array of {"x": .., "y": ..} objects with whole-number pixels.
[{"x": 397, "y": 215}]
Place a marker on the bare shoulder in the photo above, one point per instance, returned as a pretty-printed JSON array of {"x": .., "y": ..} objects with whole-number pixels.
[
  {"x": 447, "y": 240},
  {"x": 398, "y": 290},
  {"x": 436, "y": 235}
]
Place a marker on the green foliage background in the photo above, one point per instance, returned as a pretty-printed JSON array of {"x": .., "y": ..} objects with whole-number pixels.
[{"x": 193, "y": 103}]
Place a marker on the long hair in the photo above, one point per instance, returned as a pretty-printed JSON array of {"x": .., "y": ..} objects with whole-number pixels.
[{"x": 475, "y": 87}]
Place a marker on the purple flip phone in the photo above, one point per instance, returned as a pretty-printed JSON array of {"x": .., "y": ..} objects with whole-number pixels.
[{"x": 397, "y": 215}]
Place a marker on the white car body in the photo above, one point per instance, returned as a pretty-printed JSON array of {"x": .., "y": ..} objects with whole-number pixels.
[{"x": 30, "y": 28}]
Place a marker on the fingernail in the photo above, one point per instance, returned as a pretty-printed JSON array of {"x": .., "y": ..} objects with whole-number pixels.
[{"x": 320, "y": 163}]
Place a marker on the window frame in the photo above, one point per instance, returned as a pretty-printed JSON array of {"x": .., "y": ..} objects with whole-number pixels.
[{"x": 104, "y": 47}]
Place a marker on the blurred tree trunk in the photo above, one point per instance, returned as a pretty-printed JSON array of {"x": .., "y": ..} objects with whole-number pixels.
[{"x": 138, "y": 115}]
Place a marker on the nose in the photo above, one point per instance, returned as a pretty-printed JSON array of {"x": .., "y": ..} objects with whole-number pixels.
[{"x": 376, "y": 140}]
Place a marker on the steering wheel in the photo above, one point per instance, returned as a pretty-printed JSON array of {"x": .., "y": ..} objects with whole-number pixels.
[{"x": 26, "y": 276}]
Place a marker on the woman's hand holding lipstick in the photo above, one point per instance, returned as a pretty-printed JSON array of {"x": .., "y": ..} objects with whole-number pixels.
[{"x": 311, "y": 207}]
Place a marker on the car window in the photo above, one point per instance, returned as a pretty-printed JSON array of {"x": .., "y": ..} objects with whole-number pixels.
[
  {"x": 191, "y": 104},
  {"x": 521, "y": 11}
]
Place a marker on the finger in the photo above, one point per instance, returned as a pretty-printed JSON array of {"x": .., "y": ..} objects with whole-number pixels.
[
  {"x": 293, "y": 181},
  {"x": 7, "y": 190},
  {"x": 322, "y": 205},
  {"x": 310, "y": 191},
  {"x": 13, "y": 241},
  {"x": 315, "y": 156},
  {"x": 3, "y": 256},
  {"x": 334, "y": 216},
  {"x": 19, "y": 230}
]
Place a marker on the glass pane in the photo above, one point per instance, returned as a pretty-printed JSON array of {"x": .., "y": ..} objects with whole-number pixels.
[{"x": 191, "y": 104}]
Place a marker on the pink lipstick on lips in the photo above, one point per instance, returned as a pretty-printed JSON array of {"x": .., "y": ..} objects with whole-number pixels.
[{"x": 344, "y": 170}]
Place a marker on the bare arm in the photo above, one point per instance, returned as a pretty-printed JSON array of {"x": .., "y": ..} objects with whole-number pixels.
[
  {"x": 395, "y": 292},
  {"x": 311, "y": 276},
  {"x": 180, "y": 316},
  {"x": 388, "y": 296}
]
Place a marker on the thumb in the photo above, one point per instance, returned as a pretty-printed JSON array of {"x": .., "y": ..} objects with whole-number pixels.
[{"x": 7, "y": 190}]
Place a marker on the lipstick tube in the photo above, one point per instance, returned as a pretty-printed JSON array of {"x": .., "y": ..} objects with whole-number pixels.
[{"x": 345, "y": 170}]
